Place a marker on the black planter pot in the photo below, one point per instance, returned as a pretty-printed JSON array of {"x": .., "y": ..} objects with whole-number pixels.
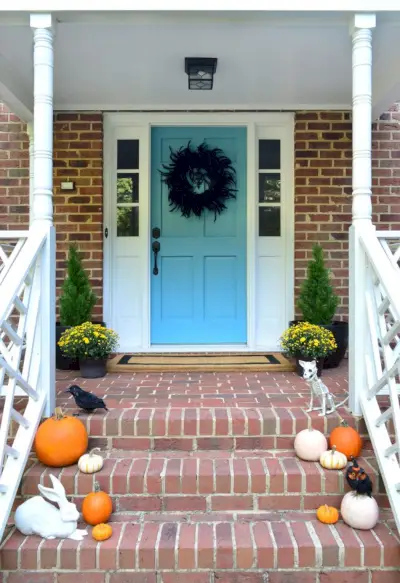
[
  {"x": 340, "y": 331},
  {"x": 92, "y": 368},
  {"x": 300, "y": 370},
  {"x": 64, "y": 362}
]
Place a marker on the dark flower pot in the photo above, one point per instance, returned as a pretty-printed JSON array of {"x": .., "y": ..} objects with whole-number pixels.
[
  {"x": 300, "y": 370},
  {"x": 92, "y": 368},
  {"x": 340, "y": 331},
  {"x": 64, "y": 362}
]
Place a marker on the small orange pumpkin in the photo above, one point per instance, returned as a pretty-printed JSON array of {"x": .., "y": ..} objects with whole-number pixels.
[
  {"x": 102, "y": 532},
  {"x": 60, "y": 440},
  {"x": 346, "y": 440},
  {"x": 327, "y": 514},
  {"x": 96, "y": 507}
]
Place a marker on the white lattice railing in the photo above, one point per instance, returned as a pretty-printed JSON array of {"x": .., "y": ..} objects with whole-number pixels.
[
  {"x": 380, "y": 398},
  {"x": 26, "y": 281}
]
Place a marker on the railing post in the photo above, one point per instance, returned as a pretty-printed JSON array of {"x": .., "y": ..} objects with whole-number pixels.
[
  {"x": 42, "y": 198},
  {"x": 361, "y": 207}
]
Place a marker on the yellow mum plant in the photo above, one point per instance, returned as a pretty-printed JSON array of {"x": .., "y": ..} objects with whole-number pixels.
[
  {"x": 88, "y": 341},
  {"x": 308, "y": 340}
]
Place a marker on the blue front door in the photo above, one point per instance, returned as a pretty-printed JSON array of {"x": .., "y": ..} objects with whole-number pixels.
[{"x": 199, "y": 294}]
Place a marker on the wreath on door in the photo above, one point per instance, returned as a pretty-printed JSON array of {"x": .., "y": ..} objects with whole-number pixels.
[{"x": 199, "y": 179}]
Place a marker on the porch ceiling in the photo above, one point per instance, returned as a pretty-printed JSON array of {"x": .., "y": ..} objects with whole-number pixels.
[{"x": 265, "y": 60}]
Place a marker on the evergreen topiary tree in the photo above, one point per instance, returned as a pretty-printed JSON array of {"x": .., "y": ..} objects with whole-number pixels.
[
  {"x": 77, "y": 298},
  {"x": 317, "y": 300}
]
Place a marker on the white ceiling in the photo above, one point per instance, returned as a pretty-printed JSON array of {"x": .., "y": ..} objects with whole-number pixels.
[{"x": 137, "y": 62}]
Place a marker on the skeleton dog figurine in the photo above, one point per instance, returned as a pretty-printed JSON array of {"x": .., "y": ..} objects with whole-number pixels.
[{"x": 319, "y": 390}]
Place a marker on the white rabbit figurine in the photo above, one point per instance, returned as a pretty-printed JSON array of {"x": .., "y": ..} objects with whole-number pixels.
[{"x": 36, "y": 516}]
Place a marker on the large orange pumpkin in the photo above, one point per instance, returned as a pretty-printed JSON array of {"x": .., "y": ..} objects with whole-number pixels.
[
  {"x": 346, "y": 440},
  {"x": 60, "y": 440},
  {"x": 96, "y": 507}
]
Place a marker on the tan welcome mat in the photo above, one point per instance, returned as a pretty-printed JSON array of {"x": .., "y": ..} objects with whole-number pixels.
[{"x": 207, "y": 362}]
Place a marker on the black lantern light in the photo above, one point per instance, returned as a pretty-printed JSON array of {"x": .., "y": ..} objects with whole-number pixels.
[{"x": 200, "y": 72}]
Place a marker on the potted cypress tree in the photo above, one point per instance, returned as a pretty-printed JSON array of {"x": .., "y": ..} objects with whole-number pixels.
[
  {"x": 318, "y": 303},
  {"x": 77, "y": 301}
]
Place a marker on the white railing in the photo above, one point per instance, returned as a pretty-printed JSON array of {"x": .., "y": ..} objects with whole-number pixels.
[
  {"x": 26, "y": 318},
  {"x": 380, "y": 398}
]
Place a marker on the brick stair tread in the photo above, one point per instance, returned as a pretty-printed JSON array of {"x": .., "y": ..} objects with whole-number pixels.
[
  {"x": 195, "y": 546},
  {"x": 174, "y": 422},
  {"x": 169, "y": 474}
]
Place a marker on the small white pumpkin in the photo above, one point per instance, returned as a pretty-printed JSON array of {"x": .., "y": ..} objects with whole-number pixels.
[
  {"x": 89, "y": 463},
  {"x": 359, "y": 511},
  {"x": 333, "y": 460},
  {"x": 309, "y": 444}
]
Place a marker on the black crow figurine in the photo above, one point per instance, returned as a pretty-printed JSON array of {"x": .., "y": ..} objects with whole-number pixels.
[
  {"x": 358, "y": 479},
  {"x": 85, "y": 400}
]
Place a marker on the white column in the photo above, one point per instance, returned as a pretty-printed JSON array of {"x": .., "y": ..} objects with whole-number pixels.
[
  {"x": 362, "y": 208},
  {"x": 31, "y": 170},
  {"x": 43, "y": 60},
  {"x": 43, "y": 117}
]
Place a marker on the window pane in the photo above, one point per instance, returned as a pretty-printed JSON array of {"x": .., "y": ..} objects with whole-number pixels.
[
  {"x": 269, "y": 188},
  {"x": 269, "y": 218},
  {"x": 269, "y": 154},
  {"x": 128, "y": 154},
  {"x": 128, "y": 221},
  {"x": 128, "y": 188}
]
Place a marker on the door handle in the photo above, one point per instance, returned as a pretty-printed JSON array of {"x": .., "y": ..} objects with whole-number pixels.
[{"x": 156, "y": 249}]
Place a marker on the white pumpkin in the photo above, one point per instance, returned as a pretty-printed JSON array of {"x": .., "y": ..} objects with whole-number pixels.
[
  {"x": 309, "y": 444},
  {"x": 89, "y": 463},
  {"x": 359, "y": 511},
  {"x": 333, "y": 460}
]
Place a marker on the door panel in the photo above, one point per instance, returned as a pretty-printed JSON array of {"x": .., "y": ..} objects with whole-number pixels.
[{"x": 199, "y": 294}]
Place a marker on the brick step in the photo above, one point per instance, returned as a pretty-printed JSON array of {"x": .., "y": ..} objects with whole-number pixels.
[
  {"x": 192, "y": 429},
  {"x": 214, "y": 551},
  {"x": 246, "y": 481}
]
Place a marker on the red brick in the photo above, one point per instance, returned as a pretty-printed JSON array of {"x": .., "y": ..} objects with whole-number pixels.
[
  {"x": 205, "y": 546},
  {"x": 385, "y": 576},
  {"x": 147, "y": 544},
  {"x": 166, "y": 546},
  {"x": 184, "y": 578},
  {"x": 185, "y": 503},
  {"x": 133, "y": 578},
  {"x": 32, "y": 577},
  {"x": 81, "y": 577},
  {"x": 186, "y": 550},
  {"x": 344, "y": 577},
  {"x": 284, "y": 544},
  {"x": 264, "y": 544},
  {"x": 224, "y": 546},
  {"x": 291, "y": 577},
  {"x": 232, "y": 503},
  {"x": 221, "y": 577},
  {"x": 243, "y": 545}
]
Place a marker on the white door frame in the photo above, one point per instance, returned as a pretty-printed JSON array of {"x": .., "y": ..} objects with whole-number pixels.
[{"x": 143, "y": 122}]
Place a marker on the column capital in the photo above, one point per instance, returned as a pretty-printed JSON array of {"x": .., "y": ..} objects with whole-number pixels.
[
  {"x": 41, "y": 21},
  {"x": 360, "y": 21}
]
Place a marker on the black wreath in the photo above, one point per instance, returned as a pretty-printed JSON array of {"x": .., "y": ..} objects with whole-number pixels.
[{"x": 193, "y": 169}]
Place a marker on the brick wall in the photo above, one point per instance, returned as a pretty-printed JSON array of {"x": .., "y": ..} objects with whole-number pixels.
[
  {"x": 78, "y": 215},
  {"x": 323, "y": 194},
  {"x": 14, "y": 171},
  {"x": 322, "y": 191},
  {"x": 323, "y": 188}
]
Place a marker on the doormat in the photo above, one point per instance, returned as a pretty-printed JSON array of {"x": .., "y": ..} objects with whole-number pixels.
[{"x": 200, "y": 362}]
